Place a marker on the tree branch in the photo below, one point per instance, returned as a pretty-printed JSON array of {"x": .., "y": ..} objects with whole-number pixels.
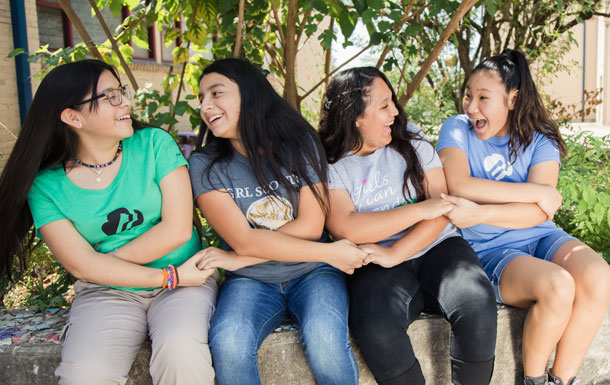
[
  {"x": 312, "y": 89},
  {"x": 302, "y": 24},
  {"x": 453, "y": 24},
  {"x": 327, "y": 63},
  {"x": 82, "y": 32},
  {"x": 115, "y": 46},
  {"x": 240, "y": 23},
  {"x": 278, "y": 24}
]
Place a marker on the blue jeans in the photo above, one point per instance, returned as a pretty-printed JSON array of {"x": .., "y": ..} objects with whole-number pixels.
[
  {"x": 248, "y": 310},
  {"x": 544, "y": 248}
]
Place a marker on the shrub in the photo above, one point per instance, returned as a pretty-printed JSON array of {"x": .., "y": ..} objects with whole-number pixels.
[{"x": 584, "y": 182}]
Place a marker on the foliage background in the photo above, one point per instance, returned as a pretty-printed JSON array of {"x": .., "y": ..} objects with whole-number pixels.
[{"x": 427, "y": 48}]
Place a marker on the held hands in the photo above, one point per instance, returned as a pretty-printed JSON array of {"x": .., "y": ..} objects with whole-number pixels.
[
  {"x": 465, "y": 213},
  {"x": 345, "y": 256},
  {"x": 435, "y": 207},
  {"x": 549, "y": 201},
  {"x": 213, "y": 257},
  {"x": 190, "y": 274},
  {"x": 380, "y": 255}
]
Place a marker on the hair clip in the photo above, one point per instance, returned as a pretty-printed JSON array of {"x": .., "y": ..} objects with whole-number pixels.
[{"x": 327, "y": 103}]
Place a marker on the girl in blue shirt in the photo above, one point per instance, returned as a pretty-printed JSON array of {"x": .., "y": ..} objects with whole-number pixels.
[{"x": 502, "y": 159}]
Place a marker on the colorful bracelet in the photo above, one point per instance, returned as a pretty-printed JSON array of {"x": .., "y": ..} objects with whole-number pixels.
[
  {"x": 170, "y": 277},
  {"x": 165, "y": 274}
]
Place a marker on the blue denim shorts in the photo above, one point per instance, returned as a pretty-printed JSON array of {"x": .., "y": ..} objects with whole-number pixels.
[{"x": 495, "y": 261}]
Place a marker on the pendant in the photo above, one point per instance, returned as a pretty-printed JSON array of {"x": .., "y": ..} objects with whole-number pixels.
[{"x": 98, "y": 178}]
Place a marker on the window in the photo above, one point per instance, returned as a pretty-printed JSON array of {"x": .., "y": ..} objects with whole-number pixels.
[{"x": 56, "y": 30}]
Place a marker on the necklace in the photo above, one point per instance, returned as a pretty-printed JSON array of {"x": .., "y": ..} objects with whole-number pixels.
[{"x": 97, "y": 169}]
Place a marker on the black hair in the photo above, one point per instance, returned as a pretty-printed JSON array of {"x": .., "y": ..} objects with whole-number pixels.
[
  {"x": 44, "y": 142},
  {"x": 529, "y": 114},
  {"x": 274, "y": 135},
  {"x": 347, "y": 96}
]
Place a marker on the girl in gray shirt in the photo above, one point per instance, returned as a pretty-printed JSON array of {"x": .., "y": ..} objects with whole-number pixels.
[
  {"x": 260, "y": 181},
  {"x": 385, "y": 187}
]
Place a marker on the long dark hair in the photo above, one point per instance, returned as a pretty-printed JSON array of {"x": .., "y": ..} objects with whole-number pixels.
[
  {"x": 529, "y": 114},
  {"x": 274, "y": 135},
  {"x": 44, "y": 142},
  {"x": 345, "y": 101}
]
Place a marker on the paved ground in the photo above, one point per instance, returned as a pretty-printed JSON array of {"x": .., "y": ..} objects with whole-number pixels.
[{"x": 21, "y": 326}]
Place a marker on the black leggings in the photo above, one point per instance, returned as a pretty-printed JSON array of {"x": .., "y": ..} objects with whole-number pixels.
[{"x": 448, "y": 280}]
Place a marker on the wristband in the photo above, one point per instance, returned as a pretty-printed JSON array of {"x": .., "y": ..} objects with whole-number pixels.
[{"x": 170, "y": 277}]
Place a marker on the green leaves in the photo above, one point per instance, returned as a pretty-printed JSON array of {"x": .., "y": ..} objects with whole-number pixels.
[
  {"x": 584, "y": 181},
  {"x": 15, "y": 52},
  {"x": 196, "y": 34},
  {"x": 140, "y": 38},
  {"x": 207, "y": 11}
]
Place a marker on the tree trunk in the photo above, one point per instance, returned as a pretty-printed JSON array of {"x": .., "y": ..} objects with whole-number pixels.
[{"x": 290, "y": 54}]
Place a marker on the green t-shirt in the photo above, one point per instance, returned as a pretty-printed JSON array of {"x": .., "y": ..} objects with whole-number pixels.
[{"x": 111, "y": 217}]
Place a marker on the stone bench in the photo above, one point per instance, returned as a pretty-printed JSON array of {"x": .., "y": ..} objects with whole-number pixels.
[{"x": 282, "y": 361}]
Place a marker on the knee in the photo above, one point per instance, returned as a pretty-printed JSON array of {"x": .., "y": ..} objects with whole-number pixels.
[
  {"x": 179, "y": 348},
  {"x": 470, "y": 300},
  {"x": 231, "y": 342},
  {"x": 325, "y": 338},
  {"x": 557, "y": 290},
  {"x": 593, "y": 283}
]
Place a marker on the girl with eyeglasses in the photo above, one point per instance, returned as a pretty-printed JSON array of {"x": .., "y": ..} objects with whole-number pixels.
[{"x": 113, "y": 202}]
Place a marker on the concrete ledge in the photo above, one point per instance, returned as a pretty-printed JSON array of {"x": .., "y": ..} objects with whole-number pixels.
[{"x": 282, "y": 360}]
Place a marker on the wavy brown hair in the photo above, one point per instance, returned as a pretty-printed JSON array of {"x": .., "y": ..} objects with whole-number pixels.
[{"x": 347, "y": 96}]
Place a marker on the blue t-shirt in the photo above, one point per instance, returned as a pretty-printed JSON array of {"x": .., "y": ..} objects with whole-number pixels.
[
  {"x": 489, "y": 159},
  {"x": 128, "y": 207}
]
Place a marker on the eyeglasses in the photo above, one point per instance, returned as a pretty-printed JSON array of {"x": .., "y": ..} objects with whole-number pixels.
[{"x": 114, "y": 96}]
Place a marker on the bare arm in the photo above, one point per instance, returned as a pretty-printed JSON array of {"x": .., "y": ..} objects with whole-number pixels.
[
  {"x": 479, "y": 190},
  {"x": 229, "y": 222},
  {"x": 228, "y": 260},
  {"x": 503, "y": 204},
  {"x": 422, "y": 235},
  {"x": 309, "y": 222},
  {"x": 175, "y": 227},
  {"x": 344, "y": 221},
  {"x": 508, "y": 215},
  {"x": 82, "y": 261}
]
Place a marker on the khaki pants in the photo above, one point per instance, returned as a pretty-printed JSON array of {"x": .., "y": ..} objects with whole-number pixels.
[{"x": 107, "y": 326}]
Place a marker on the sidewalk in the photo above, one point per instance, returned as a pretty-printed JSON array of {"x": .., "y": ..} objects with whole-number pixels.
[{"x": 594, "y": 128}]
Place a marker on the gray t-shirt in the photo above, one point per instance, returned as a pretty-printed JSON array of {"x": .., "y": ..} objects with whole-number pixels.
[
  {"x": 262, "y": 211},
  {"x": 375, "y": 181}
]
